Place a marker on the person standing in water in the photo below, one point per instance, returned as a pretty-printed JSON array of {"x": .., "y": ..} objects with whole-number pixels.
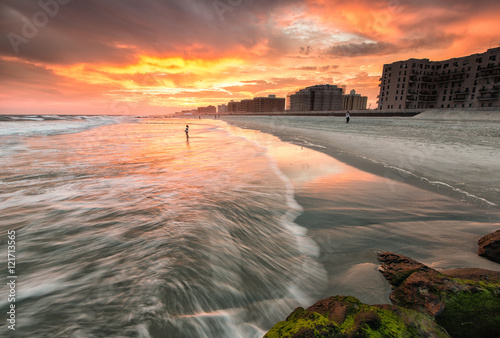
[
  {"x": 347, "y": 117},
  {"x": 187, "y": 131}
]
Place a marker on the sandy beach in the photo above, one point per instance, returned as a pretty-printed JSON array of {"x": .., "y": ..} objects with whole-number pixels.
[
  {"x": 457, "y": 157},
  {"x": 425, "y": 188}
]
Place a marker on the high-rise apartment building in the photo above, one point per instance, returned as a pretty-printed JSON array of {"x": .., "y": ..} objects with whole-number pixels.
[
  {"x": 469, "y": 81},
  {"x": 258, "y": 105},
  {"x": 271, "y": 103},
  {"x": 222, "y": 108},
  {"x": 207, "y": 110},
  {"x": 317, "y": 98},
  {"x": 354, "y": 101}
]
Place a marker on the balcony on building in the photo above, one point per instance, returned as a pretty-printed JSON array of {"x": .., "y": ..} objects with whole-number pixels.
[
  {"x": 441, "y": 79},
  {"x": 488, "y": 97}
]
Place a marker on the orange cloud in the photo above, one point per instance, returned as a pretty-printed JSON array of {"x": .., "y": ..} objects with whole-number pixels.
[{"x": 169, "y": 54}]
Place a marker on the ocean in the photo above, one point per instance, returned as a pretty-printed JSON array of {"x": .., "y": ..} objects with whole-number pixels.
[{"x": 126, "y": 228}]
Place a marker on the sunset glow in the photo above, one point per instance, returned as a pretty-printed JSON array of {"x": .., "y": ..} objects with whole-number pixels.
[{"x": 163, "y": 56}]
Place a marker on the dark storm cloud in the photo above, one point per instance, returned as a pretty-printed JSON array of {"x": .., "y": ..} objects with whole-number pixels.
[
  {"x": 73, "y": 31},
  {"x": 360, "y": 49}
]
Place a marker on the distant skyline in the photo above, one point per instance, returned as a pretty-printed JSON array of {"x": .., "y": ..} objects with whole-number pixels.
[{"x": 161, "y": 56}]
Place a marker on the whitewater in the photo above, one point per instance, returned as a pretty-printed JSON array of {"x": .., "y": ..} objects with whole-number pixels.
[{"x": 126, "y": 228}]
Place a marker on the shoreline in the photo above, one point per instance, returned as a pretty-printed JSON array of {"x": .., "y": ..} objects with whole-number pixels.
[
  {"x": 439, "y": 166},
  {"x": 352, "y": 214}
]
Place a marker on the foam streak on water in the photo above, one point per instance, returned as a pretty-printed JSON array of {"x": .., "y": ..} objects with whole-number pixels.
[{"x": 129, "y": 229}]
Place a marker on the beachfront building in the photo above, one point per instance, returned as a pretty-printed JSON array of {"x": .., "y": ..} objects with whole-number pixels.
[
  {"x": 233, "y": 106},
  {"x": 469, "y": 81},
  {"x": 222, "y": 108},
  {"x": 267, "y": 104},
  {"x": 354, "y": 101},
  {"x": 317, "y": 98},
  {"x": 207, "y": 110}
]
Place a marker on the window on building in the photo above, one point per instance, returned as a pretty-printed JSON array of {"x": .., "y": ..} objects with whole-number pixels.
[
  {"x": 493, "y": 57},
  {"x": 455, "y": 64},
  {"x": 479, "y": 60}
]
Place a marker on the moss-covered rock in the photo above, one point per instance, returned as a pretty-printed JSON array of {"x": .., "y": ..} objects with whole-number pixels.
[
  {"x": 489, "y": 246},
  {"x": 348, "y": 317},
  {"x": 464, "y": 307}
]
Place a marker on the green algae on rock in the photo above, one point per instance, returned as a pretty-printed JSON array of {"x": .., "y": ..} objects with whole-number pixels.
[
  {"x": 348, "y": 317},
  {"x": 465, "y": 307}
]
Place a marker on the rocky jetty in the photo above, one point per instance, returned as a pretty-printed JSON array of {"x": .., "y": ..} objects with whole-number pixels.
[{"x": 489, "y": 246}]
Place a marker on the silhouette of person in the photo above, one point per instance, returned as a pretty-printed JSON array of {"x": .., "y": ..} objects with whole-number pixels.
[
  {"x": 187, "y": 131},
  {"x": 347, "y": 117}
]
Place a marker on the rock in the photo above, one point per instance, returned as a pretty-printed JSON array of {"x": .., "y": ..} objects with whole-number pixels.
[
  {"x": 347, "y": 317},
  {"x": 465, "y": 307},
  {"x": 489, "y": 246},
  {"x": 475, "y": 274}
]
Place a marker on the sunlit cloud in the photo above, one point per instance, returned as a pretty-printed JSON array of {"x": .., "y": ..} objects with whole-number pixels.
[{"x": 166, "y": 55}]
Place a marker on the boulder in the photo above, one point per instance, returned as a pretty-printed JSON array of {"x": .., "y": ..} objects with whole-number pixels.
[
  {"x": 465, "y": 307},
  {"x": 341, "y": 316},
  {"x": 489, "y": 246}
]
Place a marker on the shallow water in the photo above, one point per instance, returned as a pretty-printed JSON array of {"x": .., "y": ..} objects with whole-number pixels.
[
  {"x": 353, "y": 214},
  {"x": 130, "y": 229}
]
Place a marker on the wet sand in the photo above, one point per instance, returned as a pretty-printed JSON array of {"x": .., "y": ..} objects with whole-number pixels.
[{"x": 353, "y": 214}]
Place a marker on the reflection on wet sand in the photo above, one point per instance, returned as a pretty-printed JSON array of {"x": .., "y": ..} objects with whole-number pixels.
[{"x": 352, "y": 214}]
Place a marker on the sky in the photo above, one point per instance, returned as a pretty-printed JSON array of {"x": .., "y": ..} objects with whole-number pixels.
[{"x": 153, "y": 57}]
